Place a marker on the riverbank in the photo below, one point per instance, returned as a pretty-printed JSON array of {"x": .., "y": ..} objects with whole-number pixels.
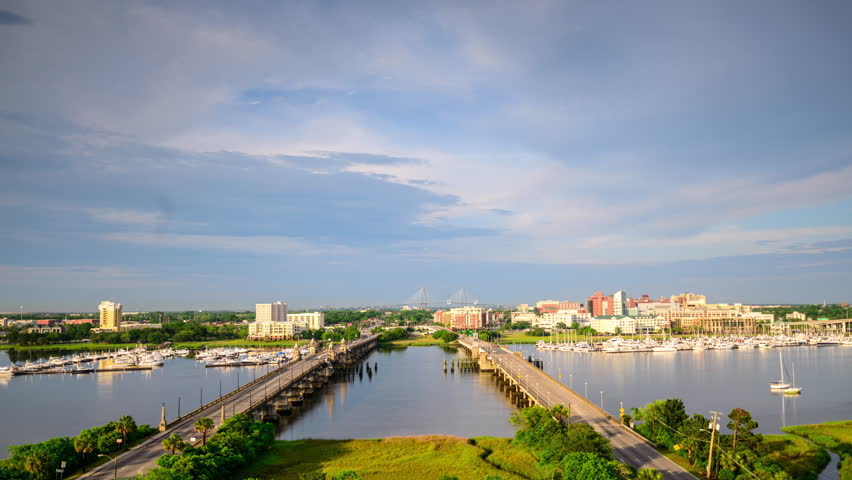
[
  {"x": 835, "y": 436},
  {"x": 400, "y": 458},
  {"x": 800, "y": 458}
]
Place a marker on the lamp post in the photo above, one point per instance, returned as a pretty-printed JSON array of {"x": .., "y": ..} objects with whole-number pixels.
[
  {"x": 201, "y": 397},
  {"x": 115, "y": 460},
  {"x": 586, "y": 389},
  {"x": 602, "y": 400}
]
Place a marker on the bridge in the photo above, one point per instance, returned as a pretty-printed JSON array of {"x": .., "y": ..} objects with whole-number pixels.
[
  {"x": 528, "y": 386},
  {"x": 262, "y": 398}
]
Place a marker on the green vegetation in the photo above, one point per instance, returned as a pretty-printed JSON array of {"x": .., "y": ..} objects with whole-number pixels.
[
  {"x": 742, "y": 454},
  {"x": 813, "y": 312},
  {"x": 446, "y": 336},
  {"x": 402, "y": 458},
  {"x": 237, "y": 443},
  {"x": 800, "y": 458},
  {"x": 835, "y": 436},
  {"x": 39, "y": 461}
]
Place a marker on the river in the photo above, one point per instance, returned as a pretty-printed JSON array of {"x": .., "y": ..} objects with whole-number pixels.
[{"x": 409, "y": 394}]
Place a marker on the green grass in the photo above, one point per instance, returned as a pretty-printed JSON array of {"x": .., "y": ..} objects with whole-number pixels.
[
  {"x": 400, "y": 458},
  {"x": 835, "y": 436},
  {"x": 800, "y": 458}
]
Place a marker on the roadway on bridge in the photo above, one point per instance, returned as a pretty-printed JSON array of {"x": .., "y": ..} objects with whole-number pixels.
[
  {"x": 142, "y": 457},
  {"x": 628, "y": 446}
]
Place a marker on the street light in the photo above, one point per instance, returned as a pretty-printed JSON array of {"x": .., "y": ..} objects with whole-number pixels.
[
  {"x": 602, "y": 400},
  {"x": 115, "y": 460},
  {"x": 586, "y": 389},
  {"x": 178, "y": 406}
]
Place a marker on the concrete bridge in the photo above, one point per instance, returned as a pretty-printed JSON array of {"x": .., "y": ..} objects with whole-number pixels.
[
  {"x": 528, "y": 385},
  {"x": 263, "y": 398}
]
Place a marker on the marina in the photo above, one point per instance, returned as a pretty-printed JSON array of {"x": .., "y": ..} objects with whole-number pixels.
[{"x": 619, "y": 344}]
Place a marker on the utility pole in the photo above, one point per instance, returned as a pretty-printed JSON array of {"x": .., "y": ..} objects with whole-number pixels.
[{"x": 712, "y": 437}]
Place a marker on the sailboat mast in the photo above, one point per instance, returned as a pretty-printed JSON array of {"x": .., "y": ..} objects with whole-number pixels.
[{"x": 781, "y": 361}]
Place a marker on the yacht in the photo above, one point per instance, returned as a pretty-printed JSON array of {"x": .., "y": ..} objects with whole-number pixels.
[
  {"x": 6, "y": 372},
  {"x": 779, "y": 384}
]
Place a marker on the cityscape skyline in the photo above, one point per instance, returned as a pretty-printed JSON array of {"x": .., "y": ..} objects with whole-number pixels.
[{"x": 185, "y": 156}]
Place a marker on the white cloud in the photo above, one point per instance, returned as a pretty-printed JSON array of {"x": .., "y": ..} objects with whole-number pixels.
[{"x": 126, "y": 216}]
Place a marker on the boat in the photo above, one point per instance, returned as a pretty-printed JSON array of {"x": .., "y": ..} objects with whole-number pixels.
[
  {"x": 793, "y": 389},
  {"x": 779, "y": 384},
  {"x": 6, "y": 372}
]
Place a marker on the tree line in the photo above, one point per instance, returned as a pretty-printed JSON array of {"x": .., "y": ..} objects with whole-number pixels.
[{"x": 39, "y": 461}]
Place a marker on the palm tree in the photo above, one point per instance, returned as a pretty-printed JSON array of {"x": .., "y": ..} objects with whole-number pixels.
[
  {"x": 560, "y": 413},
  {"x": 125, "y": 426},
  {"x": 85, "y": 443},
  {"x": 203, "y": 425},
  {"x": 649, "y": 474},
  {"x": 36, "y": 462},
  {"x": 173, "y": 442}
]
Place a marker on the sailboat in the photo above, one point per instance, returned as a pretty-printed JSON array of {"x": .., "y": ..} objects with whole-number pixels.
[
  {"x": 793, "y": 389},
  {"x": 779, "y": 384}
]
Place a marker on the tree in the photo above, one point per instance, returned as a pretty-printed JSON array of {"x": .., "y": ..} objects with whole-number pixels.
[
  {"x": 37, "y": 463},
  {"x": 173, "y": 443},
  {"x": 203, "y": 425},
  {"x": 587, "y": 466},
  {"x": 561, "y": 326},
  {"x": 347, "y": 475},
  {"x": 85, "y": 443},
  {"x": 649, "y": 474},
  {"x": 741, "y": 423},
  {"x": 125, "y": 426}
]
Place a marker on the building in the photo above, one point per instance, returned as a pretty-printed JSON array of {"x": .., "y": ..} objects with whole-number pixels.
[
  {"x": 619, "y": 303},
  {"x": 110, "y": 316},
  {"x": 137, "y": 325},
  {"x": 796, "y": 316},
  {"x": 271, "y": 312},
  {"x": 566, "y": 305},
  {"x": 687, "y": 299},
  {"x": 274, "y": 330},
  {"x": 599, "y": 304},
  {"x": 550, "y": 321},
  {"x": 308, "y": 320},
  {"x": 270, "y": 323},
  {"x": 80, "y": 321},
  {"x": 45, "y": 329},
  {"x": 547, "y": 306},
  {"x": 466, "y": 318}
]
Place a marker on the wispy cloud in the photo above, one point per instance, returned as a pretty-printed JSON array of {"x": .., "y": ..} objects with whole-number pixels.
[
  {"x": 10, "y": 18},
  {"x": 126, "y": 216},
  {"x": 277, "y": 245},
  {"x": 79, "y": 277}
]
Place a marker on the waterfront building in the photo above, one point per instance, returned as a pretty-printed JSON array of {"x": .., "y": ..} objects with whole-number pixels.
[
  {"x": 549, "y": 321},
  {"x": 274, "y": 330},
  {"x": 271, "y": 323},
  {"x": 796, "y": 316},
  {"x": 523, "y": 317},
  {"x": 308, "y": 320},
  {"x": 599, "y": 304},
  {"x": 110, "y": 316}
]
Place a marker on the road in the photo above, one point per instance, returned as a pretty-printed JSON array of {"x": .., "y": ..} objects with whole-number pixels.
[
  {"x": 143, "y": 456},
  {"x": 628, "y": 446}
]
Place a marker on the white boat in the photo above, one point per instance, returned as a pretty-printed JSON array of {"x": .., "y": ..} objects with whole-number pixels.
[
  {"x": 6, "y": 372},
  {"x": 793, "y": 389},
  {"x": 665, "y": 348},
  {"x": 779, "y": 384}
]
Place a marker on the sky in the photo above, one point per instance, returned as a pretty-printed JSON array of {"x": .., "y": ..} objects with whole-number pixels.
[{"x": 214, "y": 155}]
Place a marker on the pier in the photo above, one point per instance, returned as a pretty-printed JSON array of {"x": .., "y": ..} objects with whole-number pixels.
[
  {"x": 528, "y": 385},
  {"x": 263, "y": 398}
]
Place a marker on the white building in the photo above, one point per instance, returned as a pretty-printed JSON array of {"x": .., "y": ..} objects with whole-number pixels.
[
  {"x": 619, "y": 303},
  {"x": 628, "y": 325},
  {"x": 270, "y": 312},
  {"x": 270, "y": 322},
  {"x": 549, "y": 321},
  {"x": 308, "y": 320}
]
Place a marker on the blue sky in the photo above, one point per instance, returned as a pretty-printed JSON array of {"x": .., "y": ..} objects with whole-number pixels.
[{"x": 215, "y": 154}]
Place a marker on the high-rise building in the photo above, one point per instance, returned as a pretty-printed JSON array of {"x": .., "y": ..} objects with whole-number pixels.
[
  {"x": 599, "y": 304},
  {"x": 271, "y": 312},
  {"x": 619, "y": 300},
  {"x": 110, "y": 316}
]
